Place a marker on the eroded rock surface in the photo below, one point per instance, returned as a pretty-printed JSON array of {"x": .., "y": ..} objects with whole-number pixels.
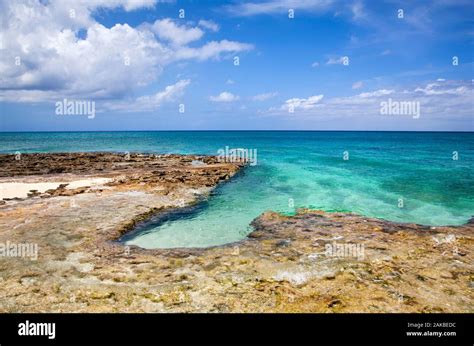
[{"x": 283, "y": 266}]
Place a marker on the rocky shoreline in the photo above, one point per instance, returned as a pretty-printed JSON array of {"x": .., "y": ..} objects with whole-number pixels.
[{"x": 311, "y": 262}]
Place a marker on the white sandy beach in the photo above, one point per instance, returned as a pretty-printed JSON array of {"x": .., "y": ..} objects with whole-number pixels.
[{"x": 21, "y": 190}]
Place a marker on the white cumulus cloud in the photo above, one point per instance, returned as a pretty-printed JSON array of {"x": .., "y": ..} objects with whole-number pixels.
[
  {"x": 295, "y": 104},
  {"x": 224, "y": 96},
  {"x": 439, "y": 101},
  {"x": 55, "y": 49},
  {"x": 177, "y": 34},
  {"x": 209, "y": 25}
]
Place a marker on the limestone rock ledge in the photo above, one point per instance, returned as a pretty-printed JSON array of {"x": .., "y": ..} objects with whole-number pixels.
[{"x": 287, "y": 264}]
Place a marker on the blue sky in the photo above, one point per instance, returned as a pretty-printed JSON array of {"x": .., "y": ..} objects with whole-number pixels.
[{"x": 329, "y": 68}]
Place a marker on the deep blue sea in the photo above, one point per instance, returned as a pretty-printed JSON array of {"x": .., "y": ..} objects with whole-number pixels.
[{"x": 420, "y": 177}]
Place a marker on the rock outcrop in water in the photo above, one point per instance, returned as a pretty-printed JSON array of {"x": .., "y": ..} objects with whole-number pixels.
[{"x": 311, "y": 262}]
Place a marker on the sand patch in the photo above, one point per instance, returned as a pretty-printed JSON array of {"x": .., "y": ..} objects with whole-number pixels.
[{"x": 21, "y": 190}]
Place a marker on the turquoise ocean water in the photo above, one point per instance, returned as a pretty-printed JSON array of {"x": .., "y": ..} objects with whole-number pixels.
[{"x": 296, "y": 169}]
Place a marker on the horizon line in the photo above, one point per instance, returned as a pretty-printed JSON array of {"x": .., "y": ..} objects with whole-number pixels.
[{"x": 95, "y": 131}]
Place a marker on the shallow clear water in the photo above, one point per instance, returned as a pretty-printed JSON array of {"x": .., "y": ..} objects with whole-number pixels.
[{"x": 296, "y": 169}]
